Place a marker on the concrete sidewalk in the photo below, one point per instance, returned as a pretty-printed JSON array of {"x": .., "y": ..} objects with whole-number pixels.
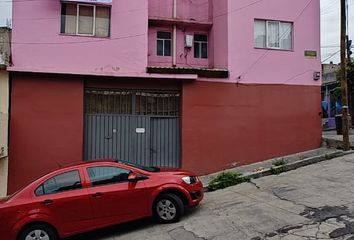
[
  {"x": 332, "y": 140},
  {"x": 292, "y": 162}
]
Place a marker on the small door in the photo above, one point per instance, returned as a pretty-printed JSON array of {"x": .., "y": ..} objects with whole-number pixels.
[
  {"x": 165, "y": 145},
  {"x": 113, "y": 198}
]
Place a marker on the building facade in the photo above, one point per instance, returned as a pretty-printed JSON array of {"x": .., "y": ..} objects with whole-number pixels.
[
  {"x": 204, "y": 85},
  {"x": 5, "y": 37},
  {"x": 331, "y": 104}
]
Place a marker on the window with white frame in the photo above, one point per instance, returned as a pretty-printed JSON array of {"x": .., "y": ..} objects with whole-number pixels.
[
  {"x": 85, "y": 20},
  {"x": 164, "y": 42},
  {"x": 273, "y": 34},
  {"x": 200, "y": 46}
]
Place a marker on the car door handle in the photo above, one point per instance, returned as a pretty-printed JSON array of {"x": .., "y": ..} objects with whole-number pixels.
[
  {"x": 47, "y": 202},
  {"x": 97, "y": 195}
]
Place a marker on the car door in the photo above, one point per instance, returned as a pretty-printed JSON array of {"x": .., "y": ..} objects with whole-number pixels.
[
  {"x": 114, "y": 199},
  {"x": 64, "y": 200}
]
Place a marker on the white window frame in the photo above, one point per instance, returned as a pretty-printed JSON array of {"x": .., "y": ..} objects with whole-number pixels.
[
  {"x": 163, "y": 44},
  {"x": 266, "y": 36},
  {"x": 78, "y": 16},
  {"x": 200, "y": 43}
]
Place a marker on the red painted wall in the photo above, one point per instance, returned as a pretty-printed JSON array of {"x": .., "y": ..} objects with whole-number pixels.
[
  {"x": 226, "y": 125},
  {"x": 223, "y": 125},
  {"x": 46, "y": 127}
]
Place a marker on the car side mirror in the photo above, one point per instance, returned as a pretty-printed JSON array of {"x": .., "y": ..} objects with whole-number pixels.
[{"x": 134, "y": 177}]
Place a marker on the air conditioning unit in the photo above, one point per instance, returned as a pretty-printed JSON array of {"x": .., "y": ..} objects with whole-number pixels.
[
  {"x": 189, "y": 41},
  {"x": 3, "y": 134}
]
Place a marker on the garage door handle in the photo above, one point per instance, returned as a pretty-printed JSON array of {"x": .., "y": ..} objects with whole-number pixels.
[
  {"x": 97, "y": 195},
  {"x": 47, "y": 202}
]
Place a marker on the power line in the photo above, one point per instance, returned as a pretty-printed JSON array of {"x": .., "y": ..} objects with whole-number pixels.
[{"x": 332, "y": 55}]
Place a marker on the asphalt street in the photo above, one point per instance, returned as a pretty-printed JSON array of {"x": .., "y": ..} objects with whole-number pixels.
[{"x": 313, "y": 202}]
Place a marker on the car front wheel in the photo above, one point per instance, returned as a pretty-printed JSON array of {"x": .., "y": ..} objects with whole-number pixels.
[
  {"x": 38, "y": 232},
  {"x": 168, "y": 208}
]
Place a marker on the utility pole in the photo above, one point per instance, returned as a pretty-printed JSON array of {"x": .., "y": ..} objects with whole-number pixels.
[{"x": 344, "y": 86}]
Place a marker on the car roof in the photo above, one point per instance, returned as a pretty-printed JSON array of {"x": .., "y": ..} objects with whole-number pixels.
[{"x": 90, "y": 162}]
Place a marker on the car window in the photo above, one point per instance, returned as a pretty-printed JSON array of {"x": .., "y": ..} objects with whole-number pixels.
[
  {"x": 107, "y": 175},
  {"x": 61, "y": 182}
]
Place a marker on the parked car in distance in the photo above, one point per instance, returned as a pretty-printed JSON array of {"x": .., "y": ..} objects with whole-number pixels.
[{"x": 93, "y": 195}]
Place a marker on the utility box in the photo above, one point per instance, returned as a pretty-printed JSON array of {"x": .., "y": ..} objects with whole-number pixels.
[
  {"x": 3, "y": 135},
  {"x": 189, "y": 41}
]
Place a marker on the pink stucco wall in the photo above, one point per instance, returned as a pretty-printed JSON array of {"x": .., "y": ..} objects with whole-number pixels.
[
  {"x": 250, "y": 65},
  {"x": 185, "y": 56},
  {"x": 198, "y": 10},
  {"x": 38, "y": 45},
  {"x": 219, "y": 34}
]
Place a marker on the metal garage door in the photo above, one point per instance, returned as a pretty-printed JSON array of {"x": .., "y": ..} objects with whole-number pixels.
[{"x": 137, "y": 126}]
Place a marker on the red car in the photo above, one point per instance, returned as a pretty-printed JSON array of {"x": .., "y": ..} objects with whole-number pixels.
[{"x": 93, "y": 195}]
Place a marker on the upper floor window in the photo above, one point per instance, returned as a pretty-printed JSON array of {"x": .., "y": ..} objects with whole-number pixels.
[
  {"x": 62, "y": 182},
  {"x": 84, "y": 19},
  {"x": 273, "y": 34},
  {"x": 164, "y": 40},
  {"x": 200, "y": 46}
]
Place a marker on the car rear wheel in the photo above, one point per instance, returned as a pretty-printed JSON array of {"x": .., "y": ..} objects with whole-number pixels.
[
  {"x": 168, "y": 208},
  {"x": 38, "y": 232}
]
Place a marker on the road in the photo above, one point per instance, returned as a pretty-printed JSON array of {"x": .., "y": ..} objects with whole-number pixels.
[{"x": 313, "y": 202}]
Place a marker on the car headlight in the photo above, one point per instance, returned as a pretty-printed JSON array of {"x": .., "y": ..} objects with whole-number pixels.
[{"x": 190, "y": 179}]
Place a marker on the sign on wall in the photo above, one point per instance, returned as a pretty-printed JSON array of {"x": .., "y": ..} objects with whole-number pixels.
[{"x": 90, "y": 1}]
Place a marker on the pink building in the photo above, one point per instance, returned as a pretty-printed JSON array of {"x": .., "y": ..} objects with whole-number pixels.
[{"x": 200, "y": 84}]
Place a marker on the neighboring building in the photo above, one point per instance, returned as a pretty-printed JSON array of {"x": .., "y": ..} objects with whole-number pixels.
[
  {"x": 330, "y": 106},
  {"x": 204, "y": 85},
  {"x": 4, "y": 106}
]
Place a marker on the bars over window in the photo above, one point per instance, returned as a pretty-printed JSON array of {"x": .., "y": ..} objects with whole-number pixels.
[
  {"x": 85, "y": 20},
  {"x": 126, "y": 102}
]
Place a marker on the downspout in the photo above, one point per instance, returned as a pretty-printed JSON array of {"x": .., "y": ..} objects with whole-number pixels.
[{"x": 174, "y": 46}]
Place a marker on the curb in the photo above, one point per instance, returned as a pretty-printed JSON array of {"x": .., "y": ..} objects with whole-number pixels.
[{"x": 294, "y": 165}]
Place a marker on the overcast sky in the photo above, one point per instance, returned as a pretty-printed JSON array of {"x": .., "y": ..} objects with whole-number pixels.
[
  {"x": 329, "y": 26},
  {"x": 330, "y": 23},
  {"x": 5, "y": 11}
]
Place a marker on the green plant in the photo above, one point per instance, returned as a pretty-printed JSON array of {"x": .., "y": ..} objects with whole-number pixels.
[
  {"x": 226, "y": 179},
  {"x": 278, "y": 166},
  {"x": 279, "y": 162}
]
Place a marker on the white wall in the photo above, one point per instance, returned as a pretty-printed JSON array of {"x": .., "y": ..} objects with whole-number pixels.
[{"x": 4, "y": 105}]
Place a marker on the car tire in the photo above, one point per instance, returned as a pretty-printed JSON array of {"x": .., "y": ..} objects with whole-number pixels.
[
  {"x": 168, "y": 208},
  {"x": 34, "y": 231}
]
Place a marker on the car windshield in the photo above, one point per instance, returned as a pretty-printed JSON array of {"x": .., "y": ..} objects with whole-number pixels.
[{"x": 148, "y": 169}]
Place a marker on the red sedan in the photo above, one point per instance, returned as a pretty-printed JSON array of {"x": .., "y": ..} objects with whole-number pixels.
[{"x": 93, "y": 195}]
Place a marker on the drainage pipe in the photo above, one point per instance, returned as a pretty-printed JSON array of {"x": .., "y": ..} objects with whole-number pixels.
[{"x": 174, "y": 46}]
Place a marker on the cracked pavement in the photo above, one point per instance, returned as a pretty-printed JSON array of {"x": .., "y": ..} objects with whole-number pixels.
[{"x": 313, "y": 202}]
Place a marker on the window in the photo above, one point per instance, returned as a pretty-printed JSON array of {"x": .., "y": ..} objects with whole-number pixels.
[
  {"x": 107, "y": 175},
  {"x": 200, "y": 46},
  {"x": 86, "y": 20},
  {"x": 273, "y": 34},
  {"x": 62, "y": 182},
  {"x": 164, "y": 44}
]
